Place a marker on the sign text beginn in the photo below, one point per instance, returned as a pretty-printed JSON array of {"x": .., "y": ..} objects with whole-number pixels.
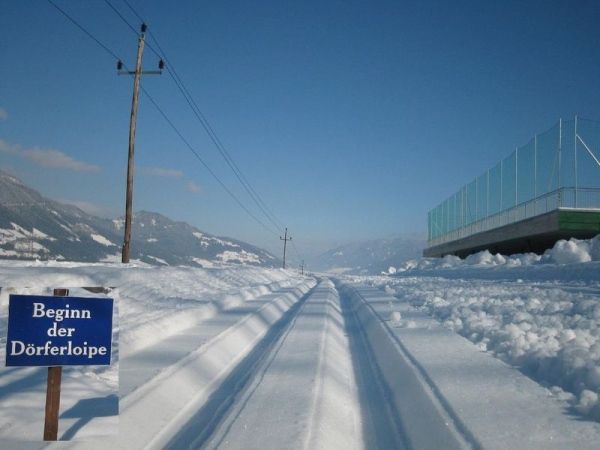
[{"x": 57, "y": 331}]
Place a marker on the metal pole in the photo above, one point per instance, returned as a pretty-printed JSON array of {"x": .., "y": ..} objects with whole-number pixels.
[
  {"x": 466, "y": 206},
  {"x": 534, "y": 174},
  {"x": 130, "y": 161},
  {"x": 463, "y": 205},
  {"x": 487, "y": 195},
  {"x": 558, "y": 184},
  {"x": 501, "y": 184},
  {"x": 447, "y": 208},
  {"x": 516, "y": 176},
  {"x": 575, "y": 160},
  {"x": 476, "y": 197}
]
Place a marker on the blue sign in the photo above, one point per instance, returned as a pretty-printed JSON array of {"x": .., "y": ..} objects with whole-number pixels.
[{"x": 58, "y": 331}]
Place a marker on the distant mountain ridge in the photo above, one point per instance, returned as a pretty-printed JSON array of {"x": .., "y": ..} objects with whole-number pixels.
[
  {"x": 372, "y": 256},
  {"x": 34, "y": 227}
]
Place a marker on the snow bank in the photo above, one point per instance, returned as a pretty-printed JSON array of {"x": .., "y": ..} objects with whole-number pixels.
[
  {"x": 563, "y": 252},
  {"x": 552, "y": 333},
  {"x": 571, "y": 251},
  {"x": 156, "y": 302}
]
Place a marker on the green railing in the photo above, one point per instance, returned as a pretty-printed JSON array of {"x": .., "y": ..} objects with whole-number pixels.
[{"x": 559, "y": 168}]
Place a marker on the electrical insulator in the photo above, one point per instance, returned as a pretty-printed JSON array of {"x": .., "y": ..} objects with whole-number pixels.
[
  {"x": 161, "y": 64},
  {"x": 119, "y": 65},
  {"x": 144, "y": 27}
]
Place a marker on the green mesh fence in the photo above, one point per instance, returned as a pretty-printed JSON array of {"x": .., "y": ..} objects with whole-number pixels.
[{"x": 559, "y": 168}]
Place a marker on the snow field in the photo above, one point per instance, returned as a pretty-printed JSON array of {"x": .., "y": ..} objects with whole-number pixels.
[
  {"x": 157, "y": 303},
  {"x": 154, "y": 413},
  {"x": 182, "y": 309},
  {"x": 244, "y": 357}
]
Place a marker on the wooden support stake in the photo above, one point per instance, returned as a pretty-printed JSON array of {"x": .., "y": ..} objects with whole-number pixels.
[
  {"x": 53, "y": 392},
  {"x": 52, "y": 403}
]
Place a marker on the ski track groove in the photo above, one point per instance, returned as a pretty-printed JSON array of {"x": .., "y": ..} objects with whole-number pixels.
[
  {"x": 432, "y": 396},
  {"x": 381, "y": 418},
  {"x": 382, "y": 423},
  {"x": 444, "y": 406},
  {"x": 371, "y": 372},
  {"x": 318, "y": 388},
  {"x": 222, "y": 430},
  {"x": 239, "y": 381}
]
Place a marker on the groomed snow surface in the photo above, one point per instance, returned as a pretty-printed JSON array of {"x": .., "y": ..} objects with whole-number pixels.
[
  {"x": 549, "y": 329},
  {"x": 251, "y": 358}
]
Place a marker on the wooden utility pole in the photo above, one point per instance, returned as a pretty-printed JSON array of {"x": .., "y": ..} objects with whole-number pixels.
[
  {"x": 132, "y": 123},
  {"x": 53, "y": 392},
  {"x": 285, "y": 239}
]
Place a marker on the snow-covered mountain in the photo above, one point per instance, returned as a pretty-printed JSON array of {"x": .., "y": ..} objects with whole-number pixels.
[
  {"x": 35, "y": 227},
  {"x": 371, "y": 257}
]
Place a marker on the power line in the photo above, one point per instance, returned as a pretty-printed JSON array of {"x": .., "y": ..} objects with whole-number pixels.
[
  {"x": 216, "y": 140},
  {"x": 214, "y": 175},
  {"x": 133, "y": 10},
  {"x": 205, "y": 123},
  {"x": 163, "y": 114},
  {"x": 116, "y": 11},
  {"x": 90, "y": 35},
  {"x": 300, "y": 258},
  {"x": 130, "y": 26},
  {"x": 221, "y": 148}
]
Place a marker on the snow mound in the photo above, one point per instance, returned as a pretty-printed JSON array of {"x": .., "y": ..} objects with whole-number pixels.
[
  {"x": 485, "y": 258},
  {"x": 551, "y": 333},
  {"x": 573, "y": 251},
  {"x": 569, "y": 252}
]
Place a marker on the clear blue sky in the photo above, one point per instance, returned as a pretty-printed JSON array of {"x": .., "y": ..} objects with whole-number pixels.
[{"x": 352, "y": 119}]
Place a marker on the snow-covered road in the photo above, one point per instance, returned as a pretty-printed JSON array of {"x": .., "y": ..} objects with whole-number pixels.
[{"x": 251, "y": 358}]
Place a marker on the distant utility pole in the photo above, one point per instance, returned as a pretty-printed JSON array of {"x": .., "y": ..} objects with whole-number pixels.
[
  {"x": 132, "y": 122},
  {"x": 302, "y": 267},
  {"x": 285, "y": 239}
]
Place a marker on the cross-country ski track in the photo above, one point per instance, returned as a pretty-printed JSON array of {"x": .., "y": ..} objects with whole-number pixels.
[{"x": 321, "y": 364}]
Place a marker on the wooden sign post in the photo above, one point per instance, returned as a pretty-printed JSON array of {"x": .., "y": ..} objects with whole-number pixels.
[
  {"x": 56, "y": 331},
  {"x": 53, "y": 392}
]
